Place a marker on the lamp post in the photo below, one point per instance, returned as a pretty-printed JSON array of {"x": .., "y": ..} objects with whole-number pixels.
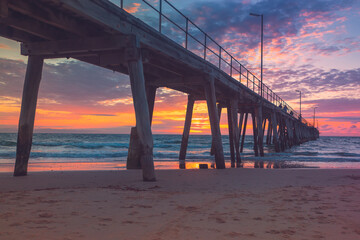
[
  {"x": 300, "y": 101},
  {"x": 314, "y": 115},
  {"x": 262, "y": 45}
]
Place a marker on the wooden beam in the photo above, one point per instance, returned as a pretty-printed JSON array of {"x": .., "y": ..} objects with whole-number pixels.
[
  {"x": 231, "y": 133},
  {"x": 214, "y": 123},
  {"x": 244, "y": 133},
  {"x": 135, "y": 147},
  {"x": 74, "y": 46},
  {"x": 53, "y": 17},
  {"x": 274, "y": 123},
  {"x": 33, "y": 27},
  {"x": 219, "y": 110},
  {"x": 186, "y": 133},
  {"x": 255, "y": 133},
  {"x": 4, "y": 8},
  {"x": 14, "y": 34},
  {"x": 236, "y": 135},
  {"x": 260, "y": 136},
  {"x": 27, "y": 115},
  {"x": 143, "y": 126}
]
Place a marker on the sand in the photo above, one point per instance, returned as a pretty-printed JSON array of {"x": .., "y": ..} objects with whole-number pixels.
[{"x": 182, "y": 204}]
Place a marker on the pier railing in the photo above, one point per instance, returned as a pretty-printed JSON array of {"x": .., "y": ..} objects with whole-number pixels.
[{"x": 168, "y": 20}]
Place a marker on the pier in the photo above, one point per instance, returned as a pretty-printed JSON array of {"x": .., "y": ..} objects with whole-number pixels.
[{"x": 105, "y": 34}]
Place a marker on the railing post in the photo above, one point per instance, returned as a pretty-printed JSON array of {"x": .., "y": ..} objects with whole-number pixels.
[
  {"x": 220, "y": 57},
  {"x": 186, "y": 33},
  {"x": 160, "y": 15},
  {"x": 231, "y": 61},
  {"x": 240, "y": 74},
  {"x": 122, "y": 4},
  {"x": 247, "y": 78},
  {"x": 205, "y": 47},
  {"x": 253, "y": 81}
]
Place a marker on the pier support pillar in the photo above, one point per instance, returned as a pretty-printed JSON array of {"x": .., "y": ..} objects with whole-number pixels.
[
  {"x": 219, "y": 109},
  {"x": 255, "y": 133},
  {"x": 185, "y": 136},
  {"x": 243, "y": 133},
  {"x": 260, "y": 135},
  {"x": 27, "y": 114},
  {"x": 275, "y": 131},
  {"x": 236, "y": 131},
  {"x": 214, "y": 122},
  {"x": 141, "y": 107},
  {"x": 134, "y": 151},
  {"x": 231, "y": 133}
]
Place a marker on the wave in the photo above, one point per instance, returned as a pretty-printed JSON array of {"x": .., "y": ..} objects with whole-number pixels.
[
  {"x": 6, "y": 143},
  {"x": 346, "y": 154},
  {"x": 83, "y": 145}
]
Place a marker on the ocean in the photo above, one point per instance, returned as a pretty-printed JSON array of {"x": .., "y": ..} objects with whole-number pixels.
[{"x": 110, "y": 150}]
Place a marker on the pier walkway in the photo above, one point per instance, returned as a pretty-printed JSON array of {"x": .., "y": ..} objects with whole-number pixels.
[{"x": 169, "y": 50}]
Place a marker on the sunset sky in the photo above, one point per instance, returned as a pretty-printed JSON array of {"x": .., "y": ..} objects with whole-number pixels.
[{"x": 310, "y": 45}]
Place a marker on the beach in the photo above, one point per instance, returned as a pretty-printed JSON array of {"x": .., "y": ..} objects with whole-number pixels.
[{"x": 182, "y": 204}]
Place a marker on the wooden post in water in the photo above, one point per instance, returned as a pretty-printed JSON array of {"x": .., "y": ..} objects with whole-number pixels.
[
  {"x": 185, "y": 136},
  {"x": 274, "y": 124},
  {"x": 141, "y": 107},
  {"x": 241, "y": 121},
  {"x": 255, "y": 133},
  {"x": 27, "y": 114},
  {"x": 231, "y": 133},
  {"x": 260, "y": 136},
  {"x": 214, "y": 122},
  {"x": 236, "y": 136},
  {"x": 244, "y": 133},
  {"x": 219, "y": 109},
  {"x": 134, "y": 151}
]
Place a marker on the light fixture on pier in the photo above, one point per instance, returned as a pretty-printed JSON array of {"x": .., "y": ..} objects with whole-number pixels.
[
  {"x": 300, "y": 101},
  {"x": 262, "y": 45},
  {"x": 314, "y": 116}
]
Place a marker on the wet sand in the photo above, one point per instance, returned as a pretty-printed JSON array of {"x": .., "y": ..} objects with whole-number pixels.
[{"x": 190, "y": 204}]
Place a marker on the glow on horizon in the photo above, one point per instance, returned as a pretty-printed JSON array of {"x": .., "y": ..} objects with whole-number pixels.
[{"x": 292, "y": 57}]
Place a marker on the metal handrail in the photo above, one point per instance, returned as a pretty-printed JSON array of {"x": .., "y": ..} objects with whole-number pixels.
[{"x": 249, "y": 76}]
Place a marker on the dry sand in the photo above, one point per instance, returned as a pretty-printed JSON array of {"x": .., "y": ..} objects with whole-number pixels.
[{"x": 182, "y": 204}]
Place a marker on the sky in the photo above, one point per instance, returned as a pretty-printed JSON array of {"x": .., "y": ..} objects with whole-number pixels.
[{"x": 309, "y": 45}]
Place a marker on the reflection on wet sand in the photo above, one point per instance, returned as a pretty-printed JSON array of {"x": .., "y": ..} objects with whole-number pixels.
[{"x": 160, "y": 165}]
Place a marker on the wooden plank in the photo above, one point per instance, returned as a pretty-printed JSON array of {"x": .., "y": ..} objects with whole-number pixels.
[
  {"x": 244, "y": 133},
  {"x": 214, "y": 123},
  {"x": 186, "y": 132},
  {"x": 231, "y": 134},
  {"x": 74, "y": 46},
  {"x": 143, "y": 127},
  {"x": 27, "y": 115}
]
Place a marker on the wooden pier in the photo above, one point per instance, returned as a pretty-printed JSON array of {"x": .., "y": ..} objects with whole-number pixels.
[{"x": 104, "y": 34}]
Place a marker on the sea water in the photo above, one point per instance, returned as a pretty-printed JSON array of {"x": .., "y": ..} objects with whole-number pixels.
[{"x": 338, "y": 152}]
